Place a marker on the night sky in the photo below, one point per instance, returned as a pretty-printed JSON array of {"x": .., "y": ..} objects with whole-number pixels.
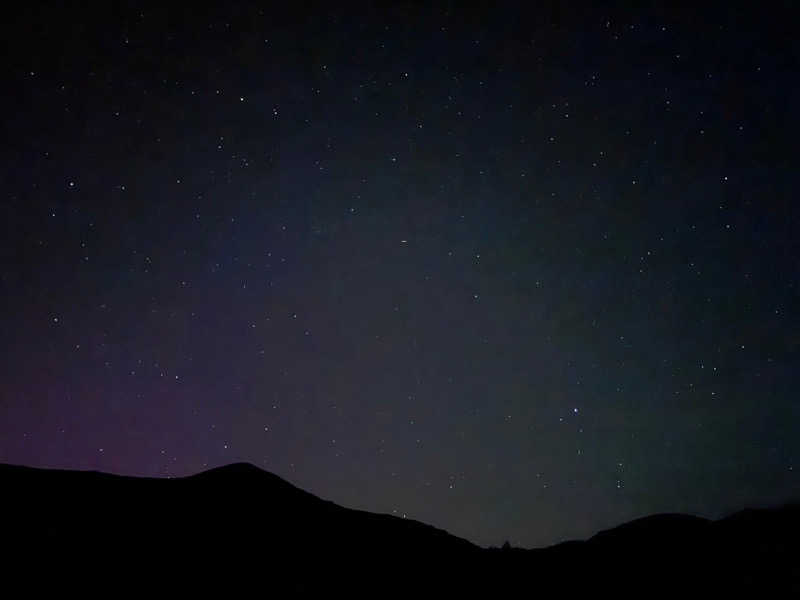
[{"x": 520, "y": 276}]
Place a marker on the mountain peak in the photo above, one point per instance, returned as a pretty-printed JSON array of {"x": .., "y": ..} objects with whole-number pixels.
[
  {"x": 241, "y": 519},
  {"x": 238, "y": 468}
]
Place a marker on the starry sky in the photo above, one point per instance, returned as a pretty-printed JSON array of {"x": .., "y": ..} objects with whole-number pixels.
[{"x": 517, "y": 274}]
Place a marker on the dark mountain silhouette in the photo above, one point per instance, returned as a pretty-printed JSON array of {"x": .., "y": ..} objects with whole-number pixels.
[{"x": 243, "y": 528}]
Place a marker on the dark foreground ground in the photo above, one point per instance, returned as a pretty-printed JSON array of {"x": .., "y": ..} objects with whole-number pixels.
[{"x": 238, "y": 531}]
